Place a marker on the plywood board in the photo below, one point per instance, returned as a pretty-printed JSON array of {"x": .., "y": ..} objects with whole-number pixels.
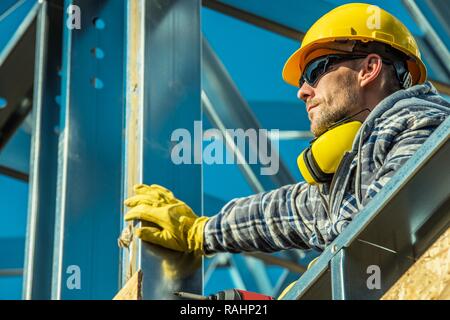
[
  {"x": 428, "y": 278},
  {"x": 132, "y": 289}
]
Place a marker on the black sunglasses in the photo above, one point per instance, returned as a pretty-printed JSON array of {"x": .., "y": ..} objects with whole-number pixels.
[{"x": 318, "y": 67}]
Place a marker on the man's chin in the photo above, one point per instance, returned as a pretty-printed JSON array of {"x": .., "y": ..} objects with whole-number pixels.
[{"x": 317, "y": 131}]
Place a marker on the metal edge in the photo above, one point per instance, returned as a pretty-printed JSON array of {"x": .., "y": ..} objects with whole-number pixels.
[
  {"x": 134, "y": 101},
  {"x": 20, "y": 32},
  {"x": 338, "y": 275},
  {"x": 62, "y": 164},
  {"x": 40, "y": 57}
]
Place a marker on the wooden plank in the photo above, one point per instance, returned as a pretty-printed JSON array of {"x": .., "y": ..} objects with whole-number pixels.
[
  {"x": 132, "y": 289},
  {"x": 428, "y": 278}
]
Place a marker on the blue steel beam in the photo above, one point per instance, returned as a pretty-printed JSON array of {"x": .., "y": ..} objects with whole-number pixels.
[
  {"x": 14, "y": 22},
  {"x": 259, "y": 273},
  {"x": 430, "y": 34},
  {"x": 163, "y": 94},
  {"x": 85, "y": 261},
  {"x": 6, "y": 6},
  {"x": 16, "y": 60},
  {"x": 43, "y": 163},
  {"x": 227, "y": 109}
]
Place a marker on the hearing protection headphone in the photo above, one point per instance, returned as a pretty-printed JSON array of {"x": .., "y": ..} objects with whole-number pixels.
[{"x": 320, "y": 160}]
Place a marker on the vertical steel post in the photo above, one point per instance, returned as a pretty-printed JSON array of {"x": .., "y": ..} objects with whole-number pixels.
[
  {"x": 338, "y": 283},
  {"x": 163, "y": 94},
  {"x": 42, "y": 191},
  {"x": 90, "y": 148}
]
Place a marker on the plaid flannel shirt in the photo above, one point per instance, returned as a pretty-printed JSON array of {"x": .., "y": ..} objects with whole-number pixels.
[{"x": 312, "y": 216}]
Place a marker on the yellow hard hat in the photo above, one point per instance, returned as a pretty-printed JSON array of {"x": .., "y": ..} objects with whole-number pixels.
[{"x": 355, "y": 21}]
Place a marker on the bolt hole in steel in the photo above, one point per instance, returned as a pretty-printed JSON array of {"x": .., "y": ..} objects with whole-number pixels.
[
  {"x": 98, "y": 53},
  {"x": 98, "y": 23},
  {"x": 97, "y": 83},
  {"x": 3, "y": 103}
]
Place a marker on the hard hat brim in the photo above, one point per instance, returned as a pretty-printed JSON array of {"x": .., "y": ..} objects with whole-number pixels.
[{"x": 291, "y": 69}]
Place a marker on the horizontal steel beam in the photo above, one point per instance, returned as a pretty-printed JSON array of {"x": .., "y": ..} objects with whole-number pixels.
[
  {"x": 11, "y": 272},
  {"x": 254, "y": 19},
  {"x": 14, "y": 173}
]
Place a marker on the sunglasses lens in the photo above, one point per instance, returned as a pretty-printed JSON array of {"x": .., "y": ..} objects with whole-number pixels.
[{"x": 314, "y": 70}]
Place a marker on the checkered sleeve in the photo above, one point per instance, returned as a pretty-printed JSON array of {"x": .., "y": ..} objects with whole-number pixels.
[{"x": 269, "y": 221}]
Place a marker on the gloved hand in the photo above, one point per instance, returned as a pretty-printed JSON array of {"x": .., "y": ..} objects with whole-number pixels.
[{"x": 173, "y": 224}]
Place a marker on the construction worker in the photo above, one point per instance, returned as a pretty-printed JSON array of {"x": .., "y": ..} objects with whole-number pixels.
[{"x": 370, "y": 107}]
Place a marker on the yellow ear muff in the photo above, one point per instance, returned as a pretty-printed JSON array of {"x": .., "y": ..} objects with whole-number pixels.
[{"x": 320, "y": 160}]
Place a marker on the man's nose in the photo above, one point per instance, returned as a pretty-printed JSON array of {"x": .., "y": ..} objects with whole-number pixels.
[{"x": 305, "y": 92}]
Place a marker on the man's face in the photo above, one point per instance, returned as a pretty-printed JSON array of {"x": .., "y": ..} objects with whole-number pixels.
[{"x": 333, "y": 97}]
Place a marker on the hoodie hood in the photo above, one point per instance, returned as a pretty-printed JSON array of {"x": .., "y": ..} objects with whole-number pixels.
[{"x": 418, "y": 97}]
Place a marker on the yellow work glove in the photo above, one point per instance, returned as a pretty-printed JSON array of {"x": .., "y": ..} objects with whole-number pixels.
[{"x": 173, "y": 224}]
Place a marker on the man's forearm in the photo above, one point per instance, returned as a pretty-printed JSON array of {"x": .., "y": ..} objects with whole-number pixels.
[{"x": 267, "y": 222}]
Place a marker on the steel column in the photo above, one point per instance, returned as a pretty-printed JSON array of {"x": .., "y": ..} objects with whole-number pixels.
[
  {"x": 42, "y": 191},
  {"x": 90, "y": 148},
  {"x": 163, "y": 94}
]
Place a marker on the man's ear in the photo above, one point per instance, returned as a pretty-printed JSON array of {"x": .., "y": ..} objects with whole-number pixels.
[{"x": 370, "y": 69}]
